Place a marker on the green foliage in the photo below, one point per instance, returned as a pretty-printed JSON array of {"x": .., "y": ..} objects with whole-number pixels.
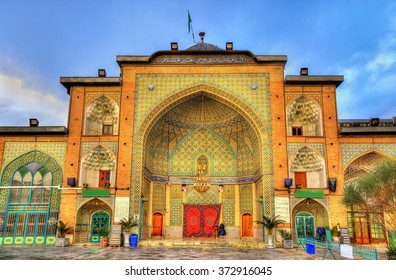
[
  {"x": 128, "y": 223},
  {"x": 335, "y": 231},
  {"x": 391, "y": 253},
  {"x": 63, "y": 229},
  {"x": 286, "y": 235},
  {"x": 375, "y": 192},
  {"x": 270, "y": 223},
  {"x": 104, "y": 231}
]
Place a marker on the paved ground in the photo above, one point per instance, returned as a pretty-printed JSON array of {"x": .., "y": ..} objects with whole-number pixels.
[{"x": 158, "y": 253}]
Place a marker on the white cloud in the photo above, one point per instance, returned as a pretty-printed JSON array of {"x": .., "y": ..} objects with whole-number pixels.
[
  {"x": 382, "y": 61},
  {"x": 18, "y": 103}
]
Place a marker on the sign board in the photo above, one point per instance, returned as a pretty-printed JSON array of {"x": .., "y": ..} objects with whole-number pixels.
[
  {"x": 282, "y": 208},
  {"x": 121, "y": 208},
  {"x": 346, "y": 251}
]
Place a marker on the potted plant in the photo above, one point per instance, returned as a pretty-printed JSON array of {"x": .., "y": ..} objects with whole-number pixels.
[
  {"x": 104, "y": 235},
  {"x": 61, "y": 240},
  {"x": 270, "y": 223},
  {"x": 287, "y": 239},
  {"x": 127, "y": 225},
  {"x": 335, "y": 233}
]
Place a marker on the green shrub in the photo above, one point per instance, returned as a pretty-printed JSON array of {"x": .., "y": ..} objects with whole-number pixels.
[{"x": 391, "y": 253}]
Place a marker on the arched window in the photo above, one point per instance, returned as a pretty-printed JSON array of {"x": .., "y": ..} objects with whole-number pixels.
[
  {"x": 304, "y": 118},
  {"x": 35, "y": 175},
  {"x": 101, "y": 117}
]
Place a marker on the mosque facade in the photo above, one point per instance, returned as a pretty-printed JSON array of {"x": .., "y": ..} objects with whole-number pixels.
[{"x": 186, "y": 140}]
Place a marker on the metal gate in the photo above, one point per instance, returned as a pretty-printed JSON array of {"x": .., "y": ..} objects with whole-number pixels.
[
  {"x": 305, "y": 227},
  {"x": 99, "y": 219},
  {"x": 29, "y": 228}
]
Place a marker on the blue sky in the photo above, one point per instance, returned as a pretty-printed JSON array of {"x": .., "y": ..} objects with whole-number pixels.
[{"x": 41, "y": 41}]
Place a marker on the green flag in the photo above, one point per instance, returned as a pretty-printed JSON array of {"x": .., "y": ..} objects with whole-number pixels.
[{"x": 189, "y": 21}]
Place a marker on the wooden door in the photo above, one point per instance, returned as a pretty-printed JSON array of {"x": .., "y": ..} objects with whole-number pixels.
[
  {"x": 301, "y": 179},
  {"x": 247, "y": 225},
  {"x": 157, "y": 224},
  {"x": 361, "y": 229},
  {"x": 104, "y": 178}
]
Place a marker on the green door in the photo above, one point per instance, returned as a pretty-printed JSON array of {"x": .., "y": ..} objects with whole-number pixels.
[
  {"x": 99, "y": 219},
  {"x": 305, "y": 226}
]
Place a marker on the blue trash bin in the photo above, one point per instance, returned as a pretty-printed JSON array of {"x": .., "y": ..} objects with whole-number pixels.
[
  {"x": 133, "y": 240},
  {"x": 310, "y": 248}
]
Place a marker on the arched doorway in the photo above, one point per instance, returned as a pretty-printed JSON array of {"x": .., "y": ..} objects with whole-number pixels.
[
  {"x": 99, "y": 219},
  {"x": 309, "y": 214},
  {"x": 305, "y": 225},
  {"x": 92, "y": 215},
  {"x": 247, "y": 225},
  {"x": 364, "y": 227},
  {"x": 157, "y": 224},
  {"x": 201, "y": 130}
]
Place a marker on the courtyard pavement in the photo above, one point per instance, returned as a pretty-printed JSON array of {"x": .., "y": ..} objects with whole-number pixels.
[{"x": 78, "y": 252}]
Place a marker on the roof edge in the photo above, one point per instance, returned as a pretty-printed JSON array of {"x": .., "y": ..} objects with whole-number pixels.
[
  {"x": 67, "y": 82},
  {"x": 314, "y": 79}
]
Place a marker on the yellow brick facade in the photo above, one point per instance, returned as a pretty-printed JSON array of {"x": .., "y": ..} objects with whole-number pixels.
[{"x": 150, "y": 92}]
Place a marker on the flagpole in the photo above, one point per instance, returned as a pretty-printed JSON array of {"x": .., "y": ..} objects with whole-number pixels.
[
  {"x": 192, "y": 31},
  {"x": 190, "y": 25}
]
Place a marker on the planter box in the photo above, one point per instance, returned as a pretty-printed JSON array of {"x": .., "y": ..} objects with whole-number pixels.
[
  {"x": 288, "y": 244},
  {"x": 62, "y": 242}
]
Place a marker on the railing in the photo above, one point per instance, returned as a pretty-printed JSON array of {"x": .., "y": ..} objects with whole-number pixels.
[{"x": 332, "y": 247}]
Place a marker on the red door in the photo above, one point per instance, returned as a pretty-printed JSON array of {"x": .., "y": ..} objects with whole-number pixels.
[
  {"x": 157, "y": 224},
  {"x": 301, "y": 179},
  {"x": 247, "y": 225},
  {"x": 104, "y": 178}
]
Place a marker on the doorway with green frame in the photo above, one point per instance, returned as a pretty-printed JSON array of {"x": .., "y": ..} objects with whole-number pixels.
[{"x": 99, "y": 219}]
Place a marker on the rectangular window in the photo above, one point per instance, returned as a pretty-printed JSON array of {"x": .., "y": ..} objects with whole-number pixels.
[
  {"x": 300, "y": 179},
  {"x": 107, "y": 129},
  {"x": 297, "y": 131},
  {"x": 104, "y": 178}
]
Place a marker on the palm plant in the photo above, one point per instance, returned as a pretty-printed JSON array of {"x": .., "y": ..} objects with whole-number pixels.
[
  {"x": 104, "y": 231},
  {"x": 270, "y": 223},
  {"x": 128, "y": 223},
  {"x": 63, "y": 229},
  {"x": 375, "y": 191}
]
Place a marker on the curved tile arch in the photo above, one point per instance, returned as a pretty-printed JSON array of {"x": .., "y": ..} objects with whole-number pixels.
[{"x": 141, "y": 131}]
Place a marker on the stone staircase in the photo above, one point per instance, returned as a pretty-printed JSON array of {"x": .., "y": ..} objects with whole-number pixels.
[
  {"x": 216, "y": 243},
  {"x": 115, "y": 236}
]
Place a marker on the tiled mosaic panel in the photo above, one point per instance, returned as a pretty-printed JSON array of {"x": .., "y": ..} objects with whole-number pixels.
[
  {"x": 291, "y": 96},
  {"x": 159, "y": 203},
  {"x": 4, "y": 193},
  {"x": 268, "y": 184},
  {"x": 292, "y": 148},
  {"x": 228, "y": 211},
  {"x": 168, "y": 84},
  {"x": 176, "y": 212},
  {"x": 175, "y": 191},
  {"x": 221, "y": 156},
  {"x": 168, "y": 133},
  {"x": 246, "y": 198},
  {"x": 351, "y": 151},
  {"x": 233, "y": 90},
  {"x": 12, "y": 150},
  {"x": 209, "y": 197},
  {"x": 87, "y": 146},
  {"x": 229, "y": 191},
  {"x": 91, "y": 96}
]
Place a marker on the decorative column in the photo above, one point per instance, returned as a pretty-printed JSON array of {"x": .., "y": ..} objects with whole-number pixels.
[
  {"x": 237, "y": 207},
  {"x": 150, "y": 207}
]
